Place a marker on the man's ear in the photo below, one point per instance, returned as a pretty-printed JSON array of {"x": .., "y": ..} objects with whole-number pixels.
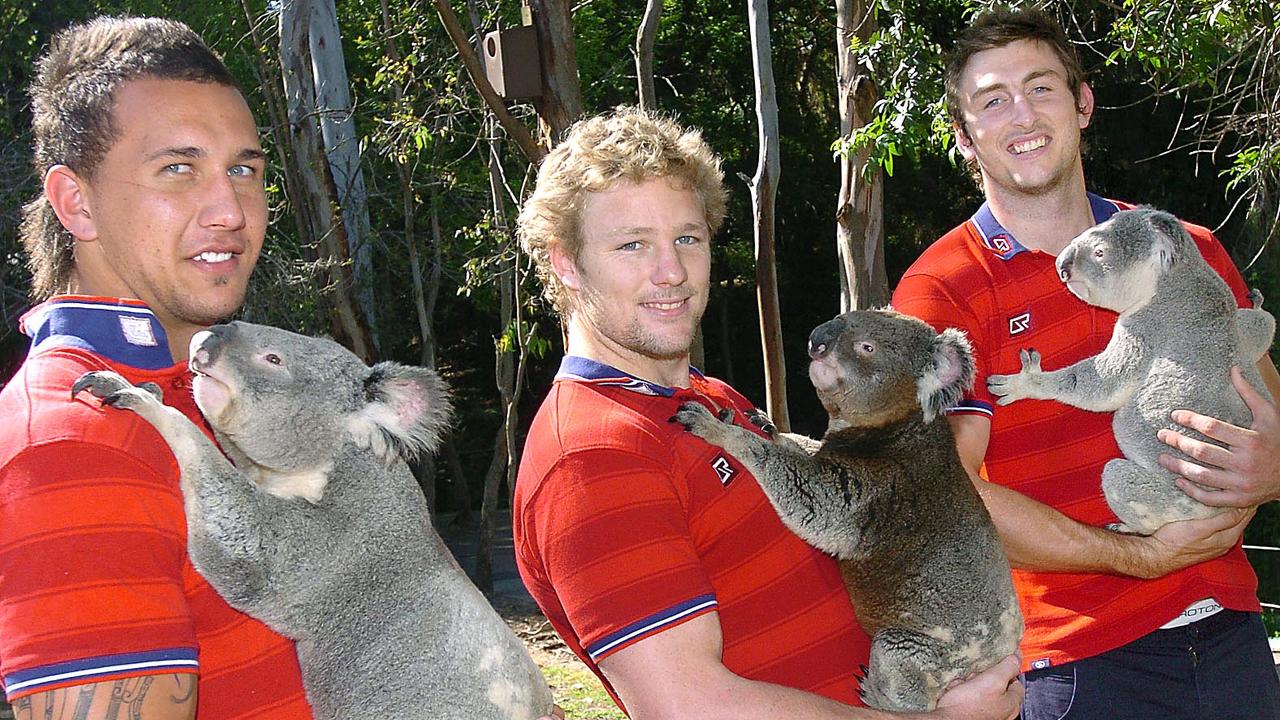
[
  {"x": 564, "y": 266},
  {"x": 1085, "y": 108},
  {"x": 964, "y": 143},
  {"x": 67, "y": 195}
]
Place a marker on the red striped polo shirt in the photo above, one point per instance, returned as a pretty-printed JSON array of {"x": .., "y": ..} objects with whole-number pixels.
[
  {"x": 1006, "y": 297},
  {"x": 95, "y": 583},
  {"x": 626, "y": 525}
]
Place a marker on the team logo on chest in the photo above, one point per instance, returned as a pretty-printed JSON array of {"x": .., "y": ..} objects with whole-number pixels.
[
  {"x": 1001, "y": 243},
  {"x": 724, "y": 470},
  {"x": 1019, "y": 324}
]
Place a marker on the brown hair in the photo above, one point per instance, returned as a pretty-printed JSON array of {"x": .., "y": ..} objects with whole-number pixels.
[
  {"x": 72, "y": 113},
  {"x": 627, "y": 144}
]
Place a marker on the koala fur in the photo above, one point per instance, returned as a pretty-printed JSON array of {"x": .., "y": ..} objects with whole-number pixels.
[
  {"x": 320, "y": 530},
  {"x": 1178, "y": 334},
  {"x": 885, "y": 493}
]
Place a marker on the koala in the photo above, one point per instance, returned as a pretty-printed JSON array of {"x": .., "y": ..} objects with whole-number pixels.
[
  {"x": 317, "y": 527},
  {"x": 1178, "y": 334},
  {"x": 885, "y": 493}
]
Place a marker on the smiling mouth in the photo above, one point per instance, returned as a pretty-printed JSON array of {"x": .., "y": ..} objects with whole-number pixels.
[
  {"x": 668, "y": 305},
  {"x": 211, "y": 257},
  {"x": 1029, "y": 145}
]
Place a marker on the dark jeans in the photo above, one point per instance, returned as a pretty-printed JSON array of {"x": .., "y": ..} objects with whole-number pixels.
[{"x": 1219, "y": 668}]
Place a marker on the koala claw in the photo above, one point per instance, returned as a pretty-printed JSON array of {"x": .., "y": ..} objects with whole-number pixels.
[
  {"x": 758, "y": 418},
  {"x": 698, "y": 420},
  {"x": 1030, "y": 360},
  {"x": 1255, "y": 298},
  {"x": 1011, "y": 388},
  {"x": 114, "y": 390}
]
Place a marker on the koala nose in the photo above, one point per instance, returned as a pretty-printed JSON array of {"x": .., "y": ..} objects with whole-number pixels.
[
  {"x": 823, "y": 338},
  {"x": 214, "y": 338}
]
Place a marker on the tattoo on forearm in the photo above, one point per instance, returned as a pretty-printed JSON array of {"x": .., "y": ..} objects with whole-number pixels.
[
  {"x": 124, "y": 699},
  {"x": 186, "y": 689}
]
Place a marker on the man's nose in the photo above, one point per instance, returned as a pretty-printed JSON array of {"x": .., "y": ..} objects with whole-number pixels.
[
  {"x": 669, "y": 269},
  {"x": 1023, "y": 114},
  {"x": 222, "y": 204}
]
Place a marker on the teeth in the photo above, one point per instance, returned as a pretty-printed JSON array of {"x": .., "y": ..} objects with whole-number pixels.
[
  {"x": 666, "y": 306},
  {"x": 214, "y": 257},
  {"x": 1029, "y": 145}
]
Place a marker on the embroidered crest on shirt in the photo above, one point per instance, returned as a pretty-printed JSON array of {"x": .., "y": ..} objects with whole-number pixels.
[
  {"x": 724, "y": 470},
  {"x": 1019, "y": 324},
  {"x": 1001, "y": 243},
  {"x": 1040, "y": 664},
  {"x": 137, "y": 330}
]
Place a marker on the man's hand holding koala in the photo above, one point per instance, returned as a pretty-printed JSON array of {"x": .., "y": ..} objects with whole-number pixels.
[{"x": 320, "y": 530}]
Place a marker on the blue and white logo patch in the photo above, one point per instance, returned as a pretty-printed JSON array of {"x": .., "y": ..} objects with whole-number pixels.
[
  {"x": 137, "y": 330},
  {"x": 1040, "y": 664}
]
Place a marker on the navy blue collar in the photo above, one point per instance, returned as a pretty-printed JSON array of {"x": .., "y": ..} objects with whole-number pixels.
[
  {"x": 574, "y": 367},
  {"x": 125, "y": 332},
  {"x": 1001, "y": 242}
]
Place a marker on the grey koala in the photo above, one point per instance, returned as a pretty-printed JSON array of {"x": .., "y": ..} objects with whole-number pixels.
[
  {"x": 1178, "y": 334},
  {"x": 320, "y": 531},
  {"x": 885, "y": 493}
]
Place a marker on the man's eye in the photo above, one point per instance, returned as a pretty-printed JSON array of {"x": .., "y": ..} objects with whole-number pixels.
[
  {"x": 177, "y": 168},
  {"x": 688, "y": 240},
  {"x": 992, "y": 103},
  {"x": 633, "y": 245},
  {"x": 242, "y": 171}
]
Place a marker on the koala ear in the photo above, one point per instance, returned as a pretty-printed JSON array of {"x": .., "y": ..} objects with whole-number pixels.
[
  {"x": 1168, "y": 242},
  {"x": 947, "y": 374},
  {"x": 406, "y": 412}
]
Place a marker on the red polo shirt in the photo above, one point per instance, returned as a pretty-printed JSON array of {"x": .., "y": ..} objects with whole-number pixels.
[
  {"x": 1006, "y": 297},
  {"x": 626, "y": 525},
  {"x": 95, "y": 583}
]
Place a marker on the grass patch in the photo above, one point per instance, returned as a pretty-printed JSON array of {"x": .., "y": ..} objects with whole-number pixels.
[{"x": 580, "y": 693}]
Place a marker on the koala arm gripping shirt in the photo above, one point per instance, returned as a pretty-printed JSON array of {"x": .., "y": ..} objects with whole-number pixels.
[
  {"x": 625, "y": 525},
  {"x": 95, "y": 584},
  {"x": 1005, "y": 297}
]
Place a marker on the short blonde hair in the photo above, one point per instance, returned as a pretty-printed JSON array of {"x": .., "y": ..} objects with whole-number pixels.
[{"x": 627, "y": 144}]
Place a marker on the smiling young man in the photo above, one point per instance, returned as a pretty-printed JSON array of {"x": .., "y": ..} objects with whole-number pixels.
[
  {"x": 656, "y": 556},
  {"x": 1164, "y": 627},
  {"x": 150, "y": 221}
]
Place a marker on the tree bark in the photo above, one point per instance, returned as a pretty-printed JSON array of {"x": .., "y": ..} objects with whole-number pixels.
[
  {"x": 864, "y": 282},
  {"x": 318, "y": 189},
  {"x": 471, "y": 62},
  {"x": 561, "y": 102},
  {"x": 645, "y": 38},
  {"x": 763, "y": 192},
  {"x": 342, "y": 148}
]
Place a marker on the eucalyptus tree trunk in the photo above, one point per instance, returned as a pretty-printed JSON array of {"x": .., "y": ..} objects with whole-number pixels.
[
  {"x": 645, "y": 38},
  {"x": 860, "y": 206},
  {"x": 764, "y": 188},
  {"x": 561, "y": 102},
  {"x": 319, "y": 191}
]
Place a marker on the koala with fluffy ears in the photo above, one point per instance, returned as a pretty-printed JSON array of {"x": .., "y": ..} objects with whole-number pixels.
[
  {"x": 320, "y": 531},
  {"x": 1178, "y": 334},
  {"x": 885, "y": 493}
]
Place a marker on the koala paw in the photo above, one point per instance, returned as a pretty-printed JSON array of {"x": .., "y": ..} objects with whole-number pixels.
[
  {"x": 115, "y": 391},
  {"x": 758, "y": 418},
  {"x": 1255, "y": 298},
  {"x": 1011, "y": 388},
  {"x": 698, "y": 420}
]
